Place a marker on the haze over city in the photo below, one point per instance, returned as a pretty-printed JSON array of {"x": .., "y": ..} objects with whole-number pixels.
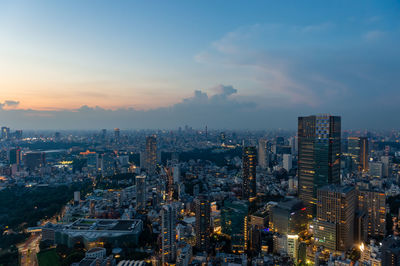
[{"x": 156, "y": 64}]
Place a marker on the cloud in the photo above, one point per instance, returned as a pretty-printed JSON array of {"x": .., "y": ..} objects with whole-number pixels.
[
  {"x": 320, "y": 66},
  {"x": 374, "y": 35},
  {"x": 9, "y": 103}
]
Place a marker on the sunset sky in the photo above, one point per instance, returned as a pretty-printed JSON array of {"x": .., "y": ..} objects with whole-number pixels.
[{"x": 138, "y": 60}]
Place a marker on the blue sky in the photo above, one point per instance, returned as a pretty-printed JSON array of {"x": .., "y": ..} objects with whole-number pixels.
[{"x": 264, "y": 62}]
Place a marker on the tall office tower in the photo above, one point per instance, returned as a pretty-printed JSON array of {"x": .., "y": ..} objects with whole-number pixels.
[
  {"x": 15, "y": 156},
  {"x": 168, "y": 234},
  {"x": 334, "y": 225},
  {"x": 202, "y": 210},
  {"x": 141, "y": 195},
  {"x": 364, "y": 154},
  {"x": 107, "y": 164},
  {"x": 262, "y": 154},
  {"x": 287, "y": 162},
  {"x": 319, "y": 156},
  {"x": 249, "y": 173},
  {"x": 373, "y": 205},
  {"x": 103, "y": 134},
  {"x": 353, "y": 149},
  {"x": 5, "y": 132},
  {"x": 151, "y": 154},
  {"x": 116, "y": 134}
]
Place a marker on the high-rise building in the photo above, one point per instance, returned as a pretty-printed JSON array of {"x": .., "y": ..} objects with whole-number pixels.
[
  {"x": 287, "y": 162},
  {"x": 249, "y": 164},
  {"x": 335, "y": 210},
  {"x": 364, "y": 154},
  {"x": 373, "y": 204},
  {"x": 203, "y": 230},
  {"x": 376, "y": 169},
  {"x": 168, "y": 234},
  {"x": 107, "y": 164},
  {"x": 262, "y": 154},
  {"x": 319, "y": 155},
  {"x": 5, "y": 132},
  {"x": 234, "y": 215},
  {"x": 353, "y": 149},
  {"x": 15, "y": 156},
  {"x": 141, "y": 192},
  {"x": 288, "y": 217},
  {"x": 116, "y": 134},
  {"x": 151, "y": 154}
]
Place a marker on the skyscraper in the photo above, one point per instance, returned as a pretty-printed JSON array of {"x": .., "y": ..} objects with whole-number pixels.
[
  {"x": 151, "y": 154},
  {"x": 202, "y": 210},
  {"x": 335, "y": 210},
  {"x": 141, "y": 195},
  {"x": 364, "y": 154},
  {"x": 15, "y": 156},
  {"x": 168, "y": 235},
  {"x": 262, "y": 154},
  {"x": 249, "y": 164},
  {"x": 319, "y": 155},
  {"x": 373, "y": 204},
  {"x": 116, "y": 134}
]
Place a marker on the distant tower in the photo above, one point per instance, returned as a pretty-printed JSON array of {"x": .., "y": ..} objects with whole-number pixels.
[
  {"x": 168, "y": 234},
  {"x": 151, "y": 154},
  {"x": 249, "y": 173},
  {"x": 116, "y": 134},
  {"x": 5, "y": 132},
  {"x": 364, "y": 154},
  {"x": 103, "y": 133},
  {"x": 141, "y": 195},
  {"x": 319, "y": 156},
  {"x": 77, "y": 197},
  {"x": 262, "y": 153},
  {"x": 202, "y": 210}
]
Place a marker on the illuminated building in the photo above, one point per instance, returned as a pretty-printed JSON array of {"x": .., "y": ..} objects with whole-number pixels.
[
  {"x": 203, "y": 229},
  {"x": 141, "y": 192},
  {"x": 95, "y": 232},
  {"x": 319, "y": 156},
  {"x": 376, "y": 169},
  {"x": 234, "y": 222},
  {"x": 5, "y": 132},
  {"x": 293, "y": 246},
  {"x": 15, "y": 156},
  {"x": 151, "y": 154},
  {"x": 373, "y": 204},
  {"x": 91, "y": 159},
  {"x": 107, "y": 164},
  {"x": 335, "y": 212},
  {"x": 364, "y": 154},
  {"x": 168, "y": 233},
  {"x": 288, "y": 217},
  {"x": 249, "y": 173}
]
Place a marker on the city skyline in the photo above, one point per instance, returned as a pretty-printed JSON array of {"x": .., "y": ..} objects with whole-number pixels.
[{"x": 70, "y": 65}]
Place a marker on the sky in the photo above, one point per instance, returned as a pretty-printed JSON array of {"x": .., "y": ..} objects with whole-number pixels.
[{"x": 225, "y": 64}]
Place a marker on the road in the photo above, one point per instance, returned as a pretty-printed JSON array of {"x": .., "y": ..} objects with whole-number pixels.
[{"x": 29, "y": 249}]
